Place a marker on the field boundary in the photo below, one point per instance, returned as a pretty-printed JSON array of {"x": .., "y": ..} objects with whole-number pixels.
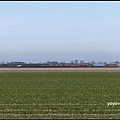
[{"x": 98, "y": 69}]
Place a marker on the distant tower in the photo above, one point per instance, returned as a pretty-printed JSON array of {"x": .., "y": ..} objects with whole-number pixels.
[
  {"x": 71, "y": 62},
  {"x": 81, "y": 62},
  {"x": 76, "y": 62},
  {"x": 93, "y": 62}
]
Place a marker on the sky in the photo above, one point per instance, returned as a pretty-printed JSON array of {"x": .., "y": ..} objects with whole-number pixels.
[{"x": 59, "y": 31}]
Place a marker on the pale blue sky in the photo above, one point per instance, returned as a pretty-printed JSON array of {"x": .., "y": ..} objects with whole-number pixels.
[{"x": 59, "y": 31}]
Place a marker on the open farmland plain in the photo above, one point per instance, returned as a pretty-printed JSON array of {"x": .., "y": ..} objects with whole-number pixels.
[{"x": 27, "y": 94}]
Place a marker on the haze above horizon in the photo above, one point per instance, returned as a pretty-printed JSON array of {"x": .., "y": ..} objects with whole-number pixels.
[{"x": 59, "y": 31}]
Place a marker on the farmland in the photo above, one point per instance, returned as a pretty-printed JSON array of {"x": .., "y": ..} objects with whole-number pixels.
[{"x": 59, "y": 94}]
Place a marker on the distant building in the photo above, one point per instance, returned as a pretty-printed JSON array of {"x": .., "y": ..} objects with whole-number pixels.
[
  {"x": 99, "y": 64},
  {"x": 76, "y": 62},
  {"x": 81, "y": 62}
]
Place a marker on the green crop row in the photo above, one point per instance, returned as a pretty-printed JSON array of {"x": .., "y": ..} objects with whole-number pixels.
[{"x": 59, "y": 95}]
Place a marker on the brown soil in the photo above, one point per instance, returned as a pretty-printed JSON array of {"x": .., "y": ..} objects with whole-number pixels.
[{"x": 62, "y": 69}]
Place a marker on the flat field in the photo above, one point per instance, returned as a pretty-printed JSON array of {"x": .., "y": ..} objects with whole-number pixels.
[{"x": 60, "y": 95}]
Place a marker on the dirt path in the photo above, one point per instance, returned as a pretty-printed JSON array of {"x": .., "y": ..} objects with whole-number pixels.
[{"x": 59, "y": 69}]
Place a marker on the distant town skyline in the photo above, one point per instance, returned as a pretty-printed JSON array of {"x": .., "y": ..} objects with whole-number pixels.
[
  {"x": 75, "y": 63},
  {"x": 59, "y": 31}
]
